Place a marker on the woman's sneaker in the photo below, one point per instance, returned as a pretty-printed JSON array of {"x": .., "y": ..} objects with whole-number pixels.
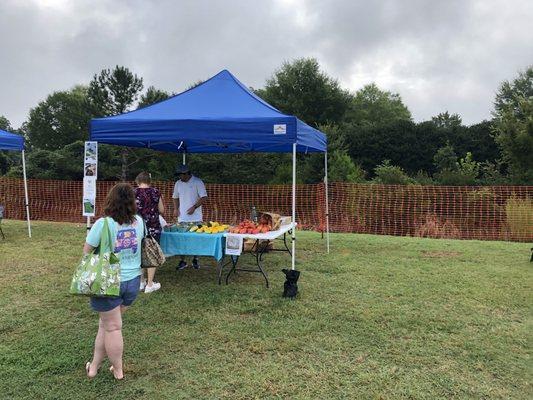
[
  {"x": 143, "y": 285},
  {"x": 195, "y": 263},
  {"x": 182, "y": 265},
  {"x": 155, "y": 286}
]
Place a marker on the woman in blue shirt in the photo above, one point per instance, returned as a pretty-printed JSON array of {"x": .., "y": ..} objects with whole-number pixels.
[{"x": 126, "y": 231}]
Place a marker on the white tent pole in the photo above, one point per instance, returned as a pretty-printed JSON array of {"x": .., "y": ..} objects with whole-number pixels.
[
  {"x": 26, "y": 193},
  {"x": 183, "y": 158},
  {"x": 294, "y": 205},
  {"x": 327, "y": 198}
]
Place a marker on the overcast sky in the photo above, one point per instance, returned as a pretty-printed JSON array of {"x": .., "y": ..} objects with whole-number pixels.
[{"x": 438, "y": 55}]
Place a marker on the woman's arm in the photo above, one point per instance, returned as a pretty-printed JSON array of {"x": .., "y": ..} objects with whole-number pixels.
[
  {"x": 87, "y": 248},
  {"x": 160, "y": 206}
]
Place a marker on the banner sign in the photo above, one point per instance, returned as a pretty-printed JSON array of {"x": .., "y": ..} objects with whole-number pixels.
[
  {"x": 90, "y": 170},
  {"x": 89, "y": 196}
]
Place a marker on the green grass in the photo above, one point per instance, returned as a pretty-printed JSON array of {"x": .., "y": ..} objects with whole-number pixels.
[{"x": 379, "y": 318}]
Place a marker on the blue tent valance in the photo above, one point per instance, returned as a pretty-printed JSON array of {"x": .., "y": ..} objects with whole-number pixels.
[
  {"x": 220, "y": 115},
  {"x": 10, "y": 141}
]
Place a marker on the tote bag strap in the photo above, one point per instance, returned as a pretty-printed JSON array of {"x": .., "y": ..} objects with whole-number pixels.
[{"x": 105, "y": 240}]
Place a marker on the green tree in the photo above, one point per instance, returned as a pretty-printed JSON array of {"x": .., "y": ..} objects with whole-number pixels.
[
  {"x": 300, "y": 88},
  {"x": 41, "y": 164},
  {"x": 423, "y": 178},
  {"x": 5, "y": 162},
  {"x": 343, "y": 169},
  {"x": 152, "y": 96},
  {"x": 491, "y": 174},
  {"x": 406, "y": 144},
  {"x": 193, "y": 85},
  {"x": 446, "y": 159},
  {"x": 480, "y": 141},
  {"x": 373, "y": 106},
  {"x": 113, "y": 92},
  {"x": 61, "y": 119},
  {"x": 5, "y": 124},
  {"x": 454, "y": 171},
  {"x": 477, "y": 139},
  {"x": 469, "y": 167},
  {"x": 447, "y": 120},
  {"x": 388, "y": 174},
  {"x": 513, "y": 125},
  {"x": 510, "y": 94}
]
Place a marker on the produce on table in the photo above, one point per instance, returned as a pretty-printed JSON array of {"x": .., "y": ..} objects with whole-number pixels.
[
  {"x": 210, "y": 227},
  {"x": 251, "y": 228},
  {"x": 178, "y": 227},
  {"x": 272, "y": 219}
]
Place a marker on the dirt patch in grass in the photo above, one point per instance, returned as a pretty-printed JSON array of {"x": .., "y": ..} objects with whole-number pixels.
[{"x": 440, "y": 254}]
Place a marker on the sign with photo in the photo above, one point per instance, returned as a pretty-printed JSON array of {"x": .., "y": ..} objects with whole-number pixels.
[
  {"x": 90, "y": 171},
  {"x": 90, "y": 160},
  {"x": 234, "y": 245},
  {"x": 89, "y": 196}
]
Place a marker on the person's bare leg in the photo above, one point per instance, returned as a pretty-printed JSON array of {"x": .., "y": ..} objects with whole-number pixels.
[
  {"x": 114, "y": 345},
  {"x": 151, "y": 273},
  {"x": 99, "y": 351}
]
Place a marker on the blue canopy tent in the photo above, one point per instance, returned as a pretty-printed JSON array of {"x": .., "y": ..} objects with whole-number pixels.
[
  {"x": 221, "y": 115},
  {"x": 12, "y": 142}
]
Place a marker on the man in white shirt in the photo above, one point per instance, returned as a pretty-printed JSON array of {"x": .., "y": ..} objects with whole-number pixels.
[{"x": 188, "y": 197}]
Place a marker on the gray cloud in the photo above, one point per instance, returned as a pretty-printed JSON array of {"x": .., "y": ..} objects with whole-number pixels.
[{"x": 439, "y": 55}]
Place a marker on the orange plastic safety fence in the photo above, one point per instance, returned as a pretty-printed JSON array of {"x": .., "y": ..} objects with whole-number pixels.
[{"x": 462, "y": 212}]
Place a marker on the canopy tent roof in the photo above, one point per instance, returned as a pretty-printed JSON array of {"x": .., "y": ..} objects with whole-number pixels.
[
  {"x": 10, "y": 141},
  {"x": 220, "y": 115}
]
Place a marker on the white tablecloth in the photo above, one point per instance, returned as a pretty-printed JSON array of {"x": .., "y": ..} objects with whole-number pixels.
[{"x": 265, "y": 236}]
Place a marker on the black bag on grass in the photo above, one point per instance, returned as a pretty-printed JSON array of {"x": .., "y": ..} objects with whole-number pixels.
[{"x": 290, "y": 287}]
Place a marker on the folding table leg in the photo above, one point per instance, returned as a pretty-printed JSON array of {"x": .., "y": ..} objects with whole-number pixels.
[
  {"x": 259, "y": 258},
  {"x": 234, "y": 260},
  {"x": 220, "y": 265},
  {"x": 285, "y": 242}
]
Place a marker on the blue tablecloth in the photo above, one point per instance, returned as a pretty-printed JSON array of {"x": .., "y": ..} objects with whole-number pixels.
[{"x": 193, "y": 244}]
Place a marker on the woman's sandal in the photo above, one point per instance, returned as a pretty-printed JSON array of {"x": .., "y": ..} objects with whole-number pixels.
[{"x": 112, "y": 370}]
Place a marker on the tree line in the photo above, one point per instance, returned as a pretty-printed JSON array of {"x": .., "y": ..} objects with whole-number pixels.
[{"x": 371, "y": 135}]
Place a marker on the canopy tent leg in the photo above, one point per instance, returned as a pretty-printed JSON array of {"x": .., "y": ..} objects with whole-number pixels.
[
  {"x": 327, "y": 198},
  {"x": 26, "y": 193},
  {"x": 293, "y": 206},
  {"x": 184, "y": 159}
]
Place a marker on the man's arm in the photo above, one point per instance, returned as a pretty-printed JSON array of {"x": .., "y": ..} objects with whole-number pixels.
[
  {"x": 176, "y": 201},
  {"x": 201, "y": 201},
  {"x": 176, "y": 207}
]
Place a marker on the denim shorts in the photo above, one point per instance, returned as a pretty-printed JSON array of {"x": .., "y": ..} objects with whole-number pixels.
[{"x": 128, "y": 293}]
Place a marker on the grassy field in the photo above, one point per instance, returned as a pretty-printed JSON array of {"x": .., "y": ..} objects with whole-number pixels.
[{"x": 378, "y": 318}]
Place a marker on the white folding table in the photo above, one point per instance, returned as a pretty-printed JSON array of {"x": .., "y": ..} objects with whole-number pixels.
[{"x": 260, "y": 247}]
